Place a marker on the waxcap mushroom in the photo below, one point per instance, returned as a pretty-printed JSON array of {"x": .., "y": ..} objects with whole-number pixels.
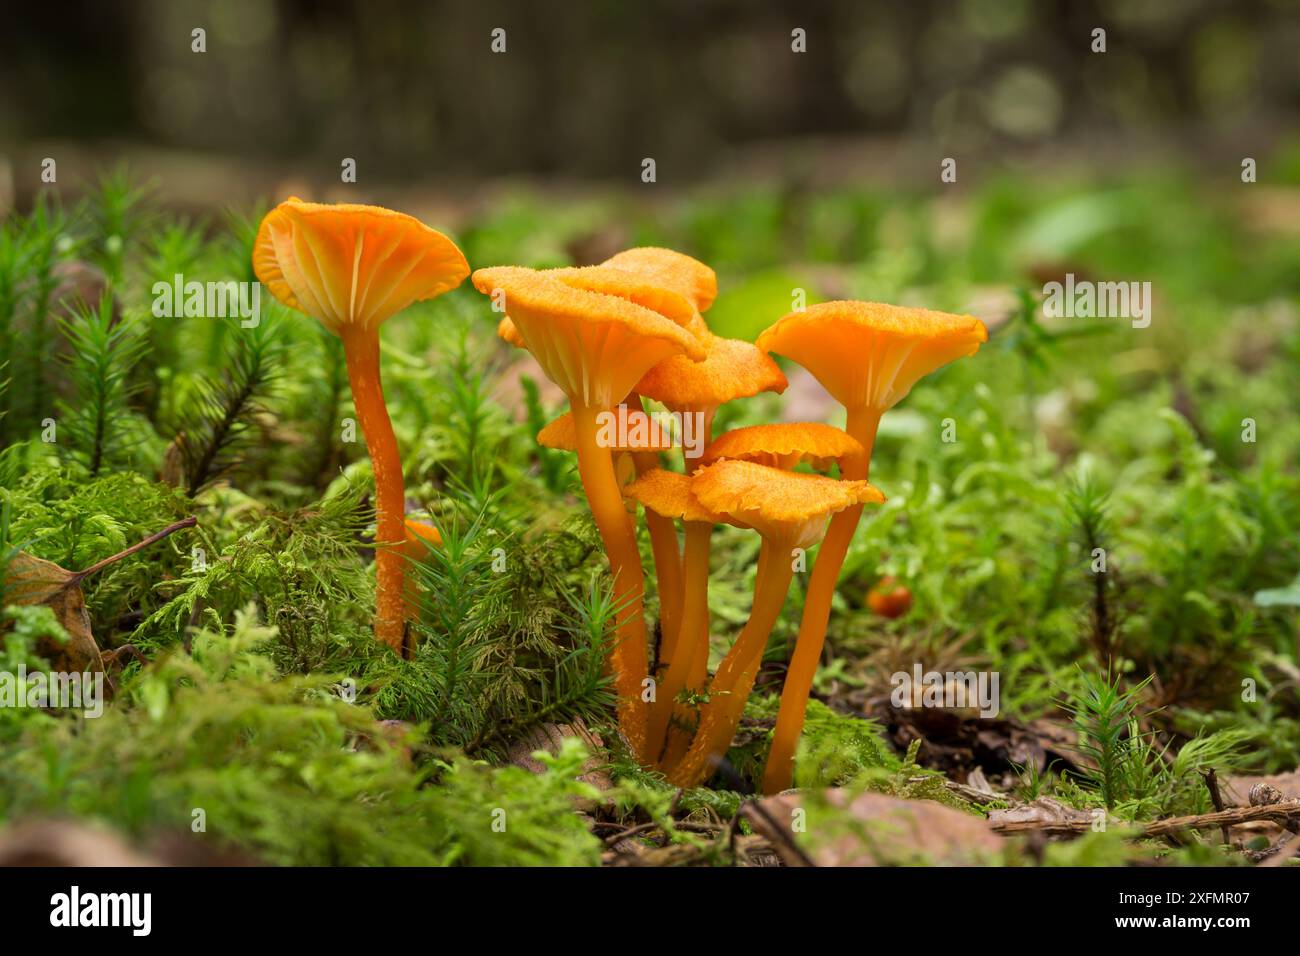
[
  {"x": 785, "y": 507},
  {"x": 668, "y": 493},
  {"x": 671, "y": 270},
  {"x": 351, "y": 265},
  {"x": 867, "y": 354},
  {"x": 594, "y": 346},
  {"x": 786, "y": 444},
  {"x": 731, "y": 369}
]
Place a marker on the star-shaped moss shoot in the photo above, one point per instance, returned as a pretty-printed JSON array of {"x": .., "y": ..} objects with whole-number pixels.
[{"x": 352, "y": 267}]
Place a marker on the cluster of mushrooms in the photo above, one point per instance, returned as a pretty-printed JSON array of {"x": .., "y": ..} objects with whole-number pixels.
[{"x": 608, "y": 336}]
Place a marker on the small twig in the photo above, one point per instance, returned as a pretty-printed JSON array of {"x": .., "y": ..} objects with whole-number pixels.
[
  {"x": 138, "y": 546},
  {"x": 1285, "y": 850},
  {"x": 1212, "y": 783},
  {"x": 1279, "y": 813}
]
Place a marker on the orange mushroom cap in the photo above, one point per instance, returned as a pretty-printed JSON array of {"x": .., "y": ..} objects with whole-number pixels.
[
  {"x": 350, "y": 265},
  {"x": 786, "y": 445},
  {"x": 418, "y": 535},
  {"x": 732, "y": 369},
  {"x": 671, "y": 270},
  {"x": 507, "y": 332},
  {"x": 783, "y": 506},
  {"x": 562, "y": 435},
  {"x": 643, "y": 290},
  {"x": 669, "y": 494},
  {"x": 869, "y": 355},
  {"x": 595, "y": 347}
]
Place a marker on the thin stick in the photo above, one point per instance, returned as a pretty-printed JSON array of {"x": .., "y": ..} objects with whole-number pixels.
[
  {"x": 138, "y": 546},
  {"x": 1212, "y": 783}
]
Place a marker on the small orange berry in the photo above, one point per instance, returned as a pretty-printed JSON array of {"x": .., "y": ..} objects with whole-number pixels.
[{"x": 889, "y": 598}]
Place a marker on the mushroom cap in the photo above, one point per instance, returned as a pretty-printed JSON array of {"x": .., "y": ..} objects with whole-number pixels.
[
  {"x": 785, "y": 445},
  {"x": 562, "y": 435},
  {"x": 869, "y": 355},
  {"x": 669, "y": 494},
  {"x": 595, "y": 347},
  {"x": 419, "y": 533},
  {"x": 352, "y": 266},
  {"x": 785, "y": 507},
  {"x": 670, "y": 270},
  {"x": 732, "y": 369},
  {"x": 643, "y": 290},
  {"x": 507, "y": 332}
]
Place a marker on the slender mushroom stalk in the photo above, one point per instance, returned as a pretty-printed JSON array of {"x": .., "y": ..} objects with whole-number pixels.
[
  {"x": 595, "y": 347},
  {"x": 789, "y": 511},
  {"x": 352, "y": 267},
  {"x": 868, "y": 356},
  {"x": 667, "y": 495},
  {"x": 732, "y": 369},
  {"x": 644, "y": 450}
]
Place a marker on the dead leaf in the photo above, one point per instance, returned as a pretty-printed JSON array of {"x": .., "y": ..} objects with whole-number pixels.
[
  {"x": 876, "y": 830},
  {"x": 549, "y": 737},
  {"x": 32, "y": 581},
  {"x": 1050, "y": 814}
]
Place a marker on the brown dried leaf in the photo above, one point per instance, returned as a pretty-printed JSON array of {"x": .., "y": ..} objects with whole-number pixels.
[
  {"x": 32, "y": 581},
  {"x": 876, "y": 830}
]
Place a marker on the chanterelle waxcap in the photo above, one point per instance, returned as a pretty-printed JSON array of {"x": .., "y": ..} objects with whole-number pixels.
[
  {"x": 869, "y": 355},
  {"x": 671, "y": 270},
  {"x": 787, "y": 444},
  {"x": 782, "y": 506},
  {"x": 351, "y": 265},
  {"x": 595, "y": 347},
  {"x": 668, "y": 493},
  {"x": 731, "y": 369}
]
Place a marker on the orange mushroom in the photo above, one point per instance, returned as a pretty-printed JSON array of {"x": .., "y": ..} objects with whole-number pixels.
[
  {"x": 352, "y": 267},
  {"x": 786, "y": 444},
  {"x": 596, "y": 347},
  {"x": 789, "y": 511},
  {"x": 670, "y": 270},
  {"x": 668, "y": 495},
  {"x": 868, "y": 356}
]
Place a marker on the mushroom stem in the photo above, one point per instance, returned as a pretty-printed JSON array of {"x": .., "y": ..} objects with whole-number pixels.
[
  {"x": 668, "y": 566},
  {"x": 862, "y": 424},
  {"x": 692, "y": 640},
  {"x": 731, "y": 685},
  {"x": 627, "y": 658},
  {"x": 361, "y": 350}
]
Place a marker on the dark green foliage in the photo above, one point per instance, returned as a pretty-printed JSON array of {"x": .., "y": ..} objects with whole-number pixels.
[
  {"x": 489, "y": 665},
  {"x": 96, "y": 422},
  {"x": 220, "y": 412}
]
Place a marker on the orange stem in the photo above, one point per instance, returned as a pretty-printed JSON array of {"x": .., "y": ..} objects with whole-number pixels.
[
  {"x": 731, "y": 685},
  {"x": 777, "y": 775},
  {"x": 361, "y": 350},
  {"x": 693, "y": 638},
  {"x": 627, "y": 657},
  {"x": 668, "y": 566}
]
